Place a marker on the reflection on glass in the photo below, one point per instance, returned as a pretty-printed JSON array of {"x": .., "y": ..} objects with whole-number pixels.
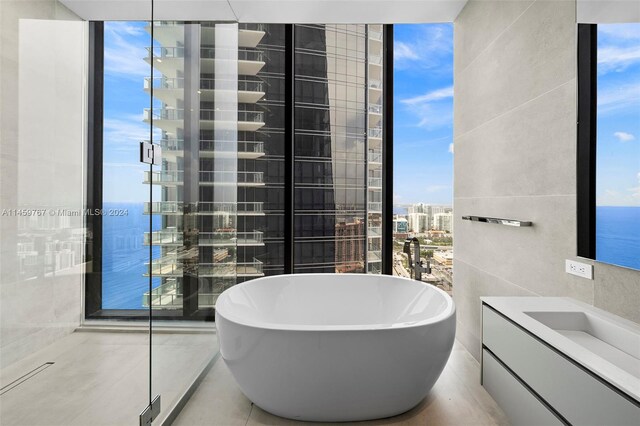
[
  {"x": 125, "y": 226},
  {"x": 618, "y": 146},
  {"x": 330, "y": 149}
]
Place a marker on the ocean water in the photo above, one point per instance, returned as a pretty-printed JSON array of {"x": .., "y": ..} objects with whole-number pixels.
[
  {"x": 618, "y": 235},
  {"x": 124, "y": 256}
]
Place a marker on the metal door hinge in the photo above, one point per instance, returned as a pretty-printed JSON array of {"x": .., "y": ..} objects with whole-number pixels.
[
  {"x": 151, "y": 412},
  {"x": 150, "y": 153}
]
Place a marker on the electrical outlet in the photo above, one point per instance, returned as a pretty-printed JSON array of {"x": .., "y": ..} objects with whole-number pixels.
[{"x": 580, "y": 269}]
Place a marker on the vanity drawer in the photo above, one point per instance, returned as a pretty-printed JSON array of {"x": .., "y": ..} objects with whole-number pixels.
[
  {"x": 520, "y": 405},
  {"x": 580, "y": 397}
]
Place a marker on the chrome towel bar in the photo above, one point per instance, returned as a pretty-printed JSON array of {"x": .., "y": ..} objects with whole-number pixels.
[{"x": 507, "y": 222}]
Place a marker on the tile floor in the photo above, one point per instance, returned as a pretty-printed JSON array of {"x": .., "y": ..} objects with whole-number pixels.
[
  {"x": 102, "y": 378},
  {"x": 456, "y": 399}
]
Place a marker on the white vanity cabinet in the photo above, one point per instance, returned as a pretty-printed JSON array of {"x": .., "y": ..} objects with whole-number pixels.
[{"x": 536, "y": 383}]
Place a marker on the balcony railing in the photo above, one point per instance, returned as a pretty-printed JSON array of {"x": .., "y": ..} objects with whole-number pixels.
[
  {"x": 165, "y": 176},
  {"x": 250, "y": 55},
  {"x": 165, "y": 267},
  {"x": 375, "y": 59},
  {"x": 375, "y": 156},
  {"x": 251, "y": 116},
  {"x": 231, "y": 177},
  {"x": 253, "y": 147},
  {"x": 205, "y": 114},
  {"x": 165, "y": 237},
  {"x": 245, "y": 269},
  {"x": 375, "y": 182},
  {"x": 375, "y": 84},
  {"x": 205, "y": 207},
  {"x": 252, "y": 27},
  {"x": 375, "y": 206},
  {"x": 375, "y": 108},
  {"x": 163, "y": 207},
  {"x": 242, "y": 208},
  {"x": 222, "y": 238},
  {"x": 165, "y": 295},
  {"x": 375, "y": 231},
  {"x": 206, "y": 53},
  {"x": 375, "y": 132},
  {"x": 374, "y": 256},
  {"x": 215, "y": 177},
  {"x": 205, "y": 84}
]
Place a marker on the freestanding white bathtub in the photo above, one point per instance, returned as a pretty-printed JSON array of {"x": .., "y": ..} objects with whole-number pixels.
[{"x": 335, "y": 347}]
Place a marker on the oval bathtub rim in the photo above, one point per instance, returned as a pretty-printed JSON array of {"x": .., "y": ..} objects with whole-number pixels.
[{"x": 448, "y": 312}]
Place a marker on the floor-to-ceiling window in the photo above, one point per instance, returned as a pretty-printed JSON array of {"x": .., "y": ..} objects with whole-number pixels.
[
  {"x": 330, "y": 148},
  {"x": 218, "y": 212},
  {"x": 423, "y": 148}
]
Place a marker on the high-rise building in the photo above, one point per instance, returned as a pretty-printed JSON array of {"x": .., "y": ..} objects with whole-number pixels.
[
  {"x": 219, "y": 107},
  {"x": 421, "y": 216},
  {"x": 443, "y": 221}
]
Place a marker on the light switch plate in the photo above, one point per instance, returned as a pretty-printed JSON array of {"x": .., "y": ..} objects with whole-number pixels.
[{"x": 579, "y": 269}]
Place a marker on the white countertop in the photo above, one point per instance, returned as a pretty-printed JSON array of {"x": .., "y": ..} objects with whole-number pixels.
[{"x": 515, "y": 309}]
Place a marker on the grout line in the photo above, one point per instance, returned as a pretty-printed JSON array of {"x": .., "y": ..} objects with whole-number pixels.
[
  {"x": 232, "y": 11},
  {"x": 498, "y": 36},
  {"x": 515, "y": 108}
]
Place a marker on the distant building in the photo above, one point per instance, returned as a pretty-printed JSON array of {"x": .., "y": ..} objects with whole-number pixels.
[
  {"x": 400, "y": 225},
  {"x": 421, "y": 216},
  {"x": 443, "y": 221}
]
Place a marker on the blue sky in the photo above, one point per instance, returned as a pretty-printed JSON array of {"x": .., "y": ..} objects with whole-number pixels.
[
  {"x": 423, "y": 107},
  {"x": 124, "y": 102},
  {"x": 618, "y": 168},
  {"x": 423, "y": 114}
]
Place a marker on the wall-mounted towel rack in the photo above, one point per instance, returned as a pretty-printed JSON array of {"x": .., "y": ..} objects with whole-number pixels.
[{"x": 507, "y": 222}]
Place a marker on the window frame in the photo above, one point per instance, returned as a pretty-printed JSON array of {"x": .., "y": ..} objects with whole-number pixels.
[
  {"x": 92, "y": 297},
  {"x": 587, "y": 102}
]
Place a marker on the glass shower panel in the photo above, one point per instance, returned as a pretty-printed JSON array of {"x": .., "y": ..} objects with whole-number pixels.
[
  {"x": 196, "y": 117},
  {"x": 51, "y": 369}
]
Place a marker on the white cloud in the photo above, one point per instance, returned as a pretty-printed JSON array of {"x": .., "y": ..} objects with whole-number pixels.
[
  {"x": 435, "y": 95},
  {"x": 433, "y": 109},
  {"x": 126, "y": 129},
  {"x": 451, "y": 148},
  {"x": 618, "y": 97},
  {"x": 619, "y": 31},
  {"x": 612, "y": 58},
  {"x": 628, "y": 197},
  {"x": 624, "y": 136},
  {"x": 429, "y": 46},
  {"x": 403, "y": 51},
  {"x": 123, "y": 53}
]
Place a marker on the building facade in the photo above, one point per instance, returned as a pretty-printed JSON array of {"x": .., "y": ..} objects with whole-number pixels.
[{"x": 219, "y": 109}]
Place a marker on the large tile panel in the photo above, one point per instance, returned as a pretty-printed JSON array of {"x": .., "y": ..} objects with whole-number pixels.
[
  {"x": 530, "y": 150},
  {"x": 530, "y": 257},
  {"x": 480, "y": 23},
  {"x": 533, "y": 56}
]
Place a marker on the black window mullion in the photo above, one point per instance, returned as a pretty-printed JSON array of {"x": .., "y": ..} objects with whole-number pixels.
[{"x": 586, "y": 143}]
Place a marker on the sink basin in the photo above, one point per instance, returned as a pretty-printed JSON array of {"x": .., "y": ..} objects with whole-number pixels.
[{"x": 603, "y": 338}]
